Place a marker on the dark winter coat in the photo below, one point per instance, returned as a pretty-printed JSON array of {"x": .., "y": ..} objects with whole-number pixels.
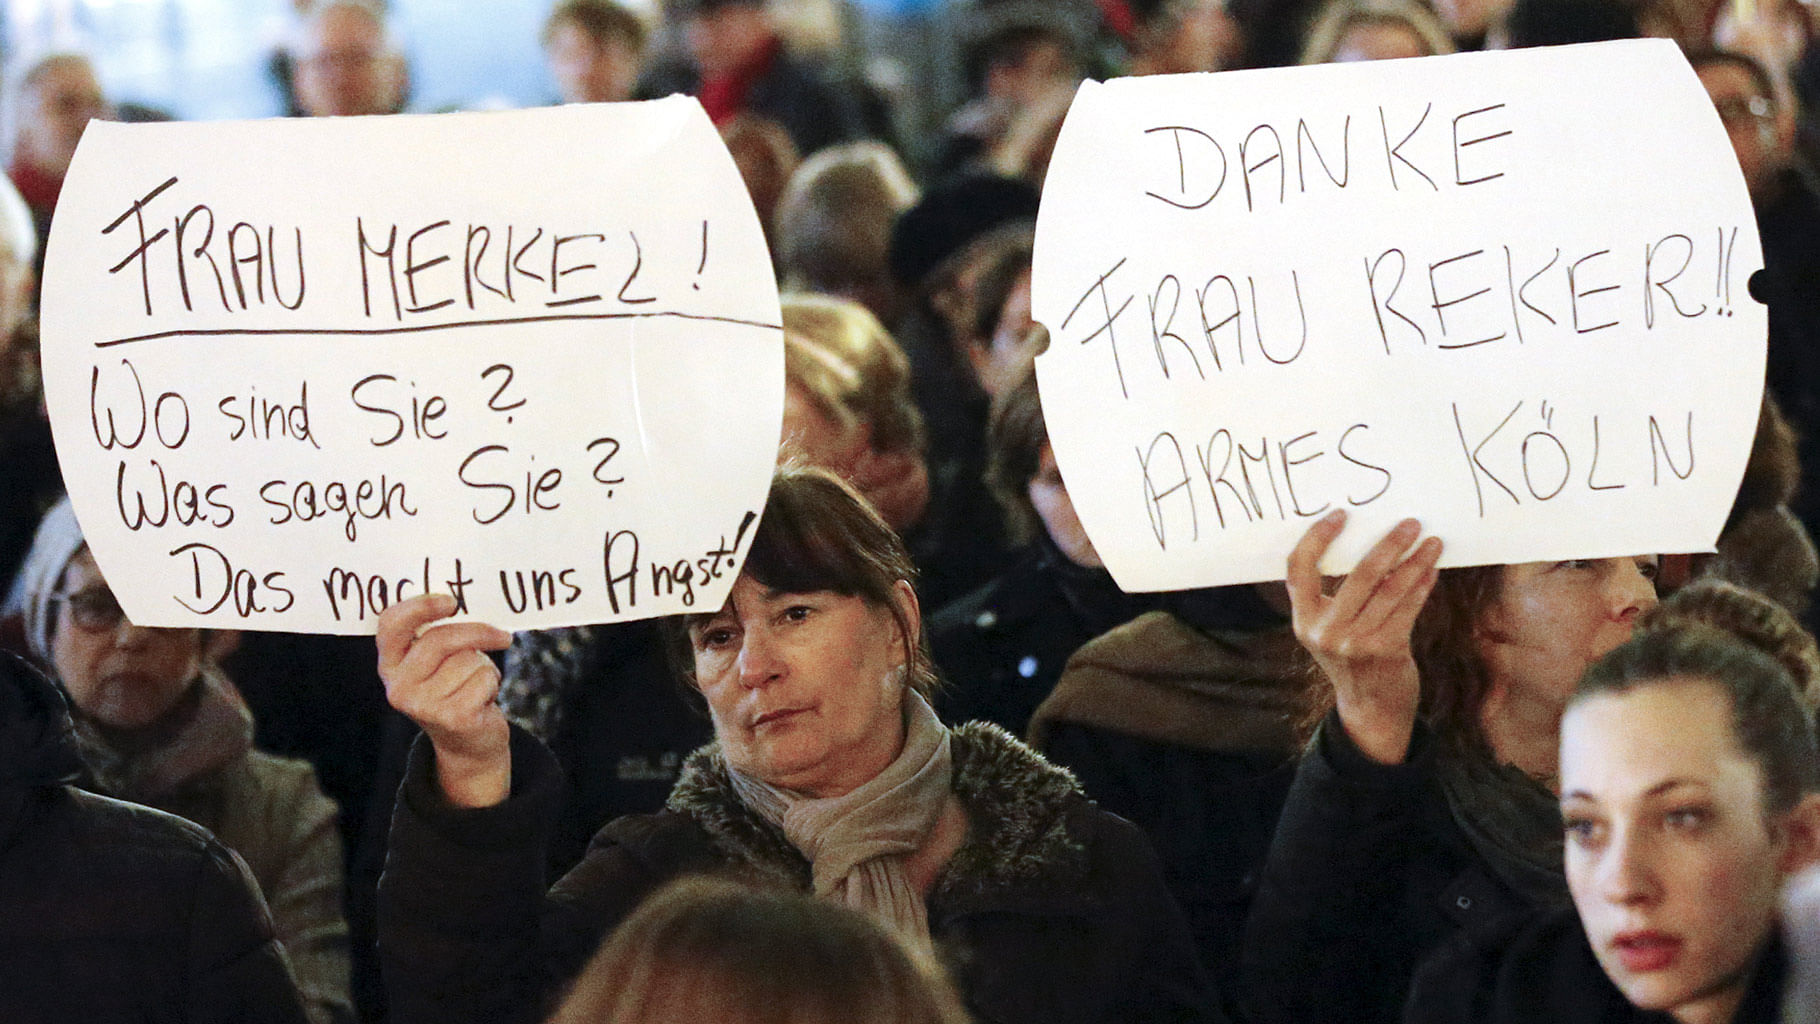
[
  {"x": 1003, "y": 646},
  {"x": 1192, "y": 735},
  {"x": 1368, "y": 876},
  {"x": 112, "y": 912},
  {"x": 1051, "y": 912},
  {"x": 1541, "y": 968}
]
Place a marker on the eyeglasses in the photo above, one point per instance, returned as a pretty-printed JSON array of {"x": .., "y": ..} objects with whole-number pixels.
[{"x": 93, "y": 609}]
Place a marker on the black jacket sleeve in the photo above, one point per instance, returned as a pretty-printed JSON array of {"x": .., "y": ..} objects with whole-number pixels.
[
  {"x": 462, "y": 897},
  {"x": 1333, "y": 933},
  {"x": 467, "y": 931}
]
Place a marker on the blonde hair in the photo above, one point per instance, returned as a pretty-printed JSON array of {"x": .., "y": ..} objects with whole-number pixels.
[
  {"x": 839, "y": 353},
  {"x": 1331, "y": 25},
  {"x": 706, "y": 949}
]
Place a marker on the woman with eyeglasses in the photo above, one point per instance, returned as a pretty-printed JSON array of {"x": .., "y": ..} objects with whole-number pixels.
[{"x": 158, "y": 724}]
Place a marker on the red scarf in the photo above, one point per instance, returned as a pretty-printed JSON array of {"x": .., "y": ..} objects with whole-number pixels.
[
  {"x": 38, "y": 189},
  {"x": 724, "y": 96}
]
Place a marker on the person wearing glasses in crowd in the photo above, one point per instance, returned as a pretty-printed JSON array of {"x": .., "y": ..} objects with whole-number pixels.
[{"x": 157, "y": 723}]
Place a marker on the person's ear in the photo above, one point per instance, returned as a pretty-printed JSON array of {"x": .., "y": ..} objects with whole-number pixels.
[{"x": 1801, "y": 836}]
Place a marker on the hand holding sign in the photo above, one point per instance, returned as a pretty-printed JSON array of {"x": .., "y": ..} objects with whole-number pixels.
[
  {"x": 1504, "y": 292},
  {"x": 1360, "y": 636},
  {"x": 299, "y": 370}
]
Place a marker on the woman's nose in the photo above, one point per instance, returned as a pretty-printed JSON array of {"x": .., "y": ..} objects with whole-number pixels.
[
  {"x": 759, "y": 662},
  {"x": 1628, "y": 876},
  {"x": 1632, "y": 592}
]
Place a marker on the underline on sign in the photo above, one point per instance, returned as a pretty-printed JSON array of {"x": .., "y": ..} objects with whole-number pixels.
[{"x": 222, "y": 332}]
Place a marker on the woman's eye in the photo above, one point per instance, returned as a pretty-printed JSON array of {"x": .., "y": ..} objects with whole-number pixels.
[
  {"x": 797, "y": 613},
  {"x": 1648, "y": 568},
  {"x": 1687, "y": 819},
  {"x": 1577, "y": 563},
  {"x": 714, "y": 638},
  {"x": 1582, "y": 832}
]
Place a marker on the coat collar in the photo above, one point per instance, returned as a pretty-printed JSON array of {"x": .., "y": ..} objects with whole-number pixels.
[{"x": 1021, "y": 848}]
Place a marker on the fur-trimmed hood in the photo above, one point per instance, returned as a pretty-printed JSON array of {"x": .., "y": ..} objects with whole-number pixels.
[{"x": 1021, "y": 844}]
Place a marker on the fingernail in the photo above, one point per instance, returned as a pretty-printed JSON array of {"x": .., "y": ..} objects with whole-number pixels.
[
  {"x": 1410, "y": 526},
  {"x": 1336, "y": 516}
]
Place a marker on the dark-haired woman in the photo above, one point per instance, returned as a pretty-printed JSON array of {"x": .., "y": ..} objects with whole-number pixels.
[
  {"x": 1423, "y": 807},
  {"x": 829, "y": 774},
  {"x": 1690, "y": 793}
]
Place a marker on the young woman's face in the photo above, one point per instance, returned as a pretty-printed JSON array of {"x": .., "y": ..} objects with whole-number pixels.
[
  {"x": 1553, "y": 619},
  {"x": 1673, "y": 864},
  {"x": 118, "y": 674},
  {"x": 1049, "y": 494},
  {"x": 806, "y": 690}
]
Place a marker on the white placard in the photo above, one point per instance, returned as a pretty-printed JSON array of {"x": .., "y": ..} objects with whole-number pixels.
[
  {"x": 299, "y": 369},
  {"x": 1502, "y": 292}
]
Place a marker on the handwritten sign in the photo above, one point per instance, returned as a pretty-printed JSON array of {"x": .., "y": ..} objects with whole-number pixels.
[
  {"x": 300, "y": 369},
  {"x": 1502, "y": 292}
]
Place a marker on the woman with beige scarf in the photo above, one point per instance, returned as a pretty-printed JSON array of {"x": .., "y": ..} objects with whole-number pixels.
[{"x": 829, "y": 774}]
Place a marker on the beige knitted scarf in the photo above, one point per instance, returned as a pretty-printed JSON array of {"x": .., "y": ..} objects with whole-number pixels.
[{"x": 857, "y": 843}]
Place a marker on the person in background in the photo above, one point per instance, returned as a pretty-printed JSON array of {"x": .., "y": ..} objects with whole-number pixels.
[
  {"x": 1763, "y": 546},
  {"x": 1471, "y": 23},
  {"x": 1422, "y": 809},
  {"x": 28, "y": 462},
  {"x": 1563, "y": 22},
  {"x": 940, "y": 252},
  {"x": 595, "y": 49},
  {"x": 347, "y": 63},
  {"x": 739, "y": 65},
  {"x": 766, "y": 157},
  {"x": 157, "y": 723},
  {"x": 1349, "y": 30},
  {"x": 1788, "y": 224},
  {"x": 112, "y": 913},
  {"x": 1000, "y": 339},
  {"x": 1004, "y": 644},
  {"x": 834, "y": 222},
  {"x": 714, "y": 950},
  {"x": 831, "y": 774},
  {"x": 847, "y": 406},
  {"x": 1690, "y": 794},
  {"x": 1020, "y": 59},
  {"x": 1179, "y": 36},
  {"x": 55, "y": 98}
]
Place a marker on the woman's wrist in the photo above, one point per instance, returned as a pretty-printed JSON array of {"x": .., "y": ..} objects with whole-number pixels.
[
  {"x": 471, "y": 782},
  {"x": 1381, "y": 734}
]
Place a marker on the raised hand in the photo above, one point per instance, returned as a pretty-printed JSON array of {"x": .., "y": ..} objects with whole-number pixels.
[
  {"x": 442, "y": 679},
  {"x": 1360, "y": 635}
]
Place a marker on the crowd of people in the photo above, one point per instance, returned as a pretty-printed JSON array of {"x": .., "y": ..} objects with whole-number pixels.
[{"x": 928, "y": 762}]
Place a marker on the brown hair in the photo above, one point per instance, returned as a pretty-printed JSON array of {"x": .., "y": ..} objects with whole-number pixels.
[
  {"x": 1445, "y": 643},
  {"x": 1015, "y": 437},
  {"x": 1752, "y": 618},
  {"x": 817, "y": 533},
  {"x": 874, "y": 387},
  {"x": 1770, "y": 724},
  {"x": 601, "y": 20},
  {"x": 714, "y": 950}
]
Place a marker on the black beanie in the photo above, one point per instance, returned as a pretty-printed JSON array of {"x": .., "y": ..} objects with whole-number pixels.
[{"x": 950, "y": 216}]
